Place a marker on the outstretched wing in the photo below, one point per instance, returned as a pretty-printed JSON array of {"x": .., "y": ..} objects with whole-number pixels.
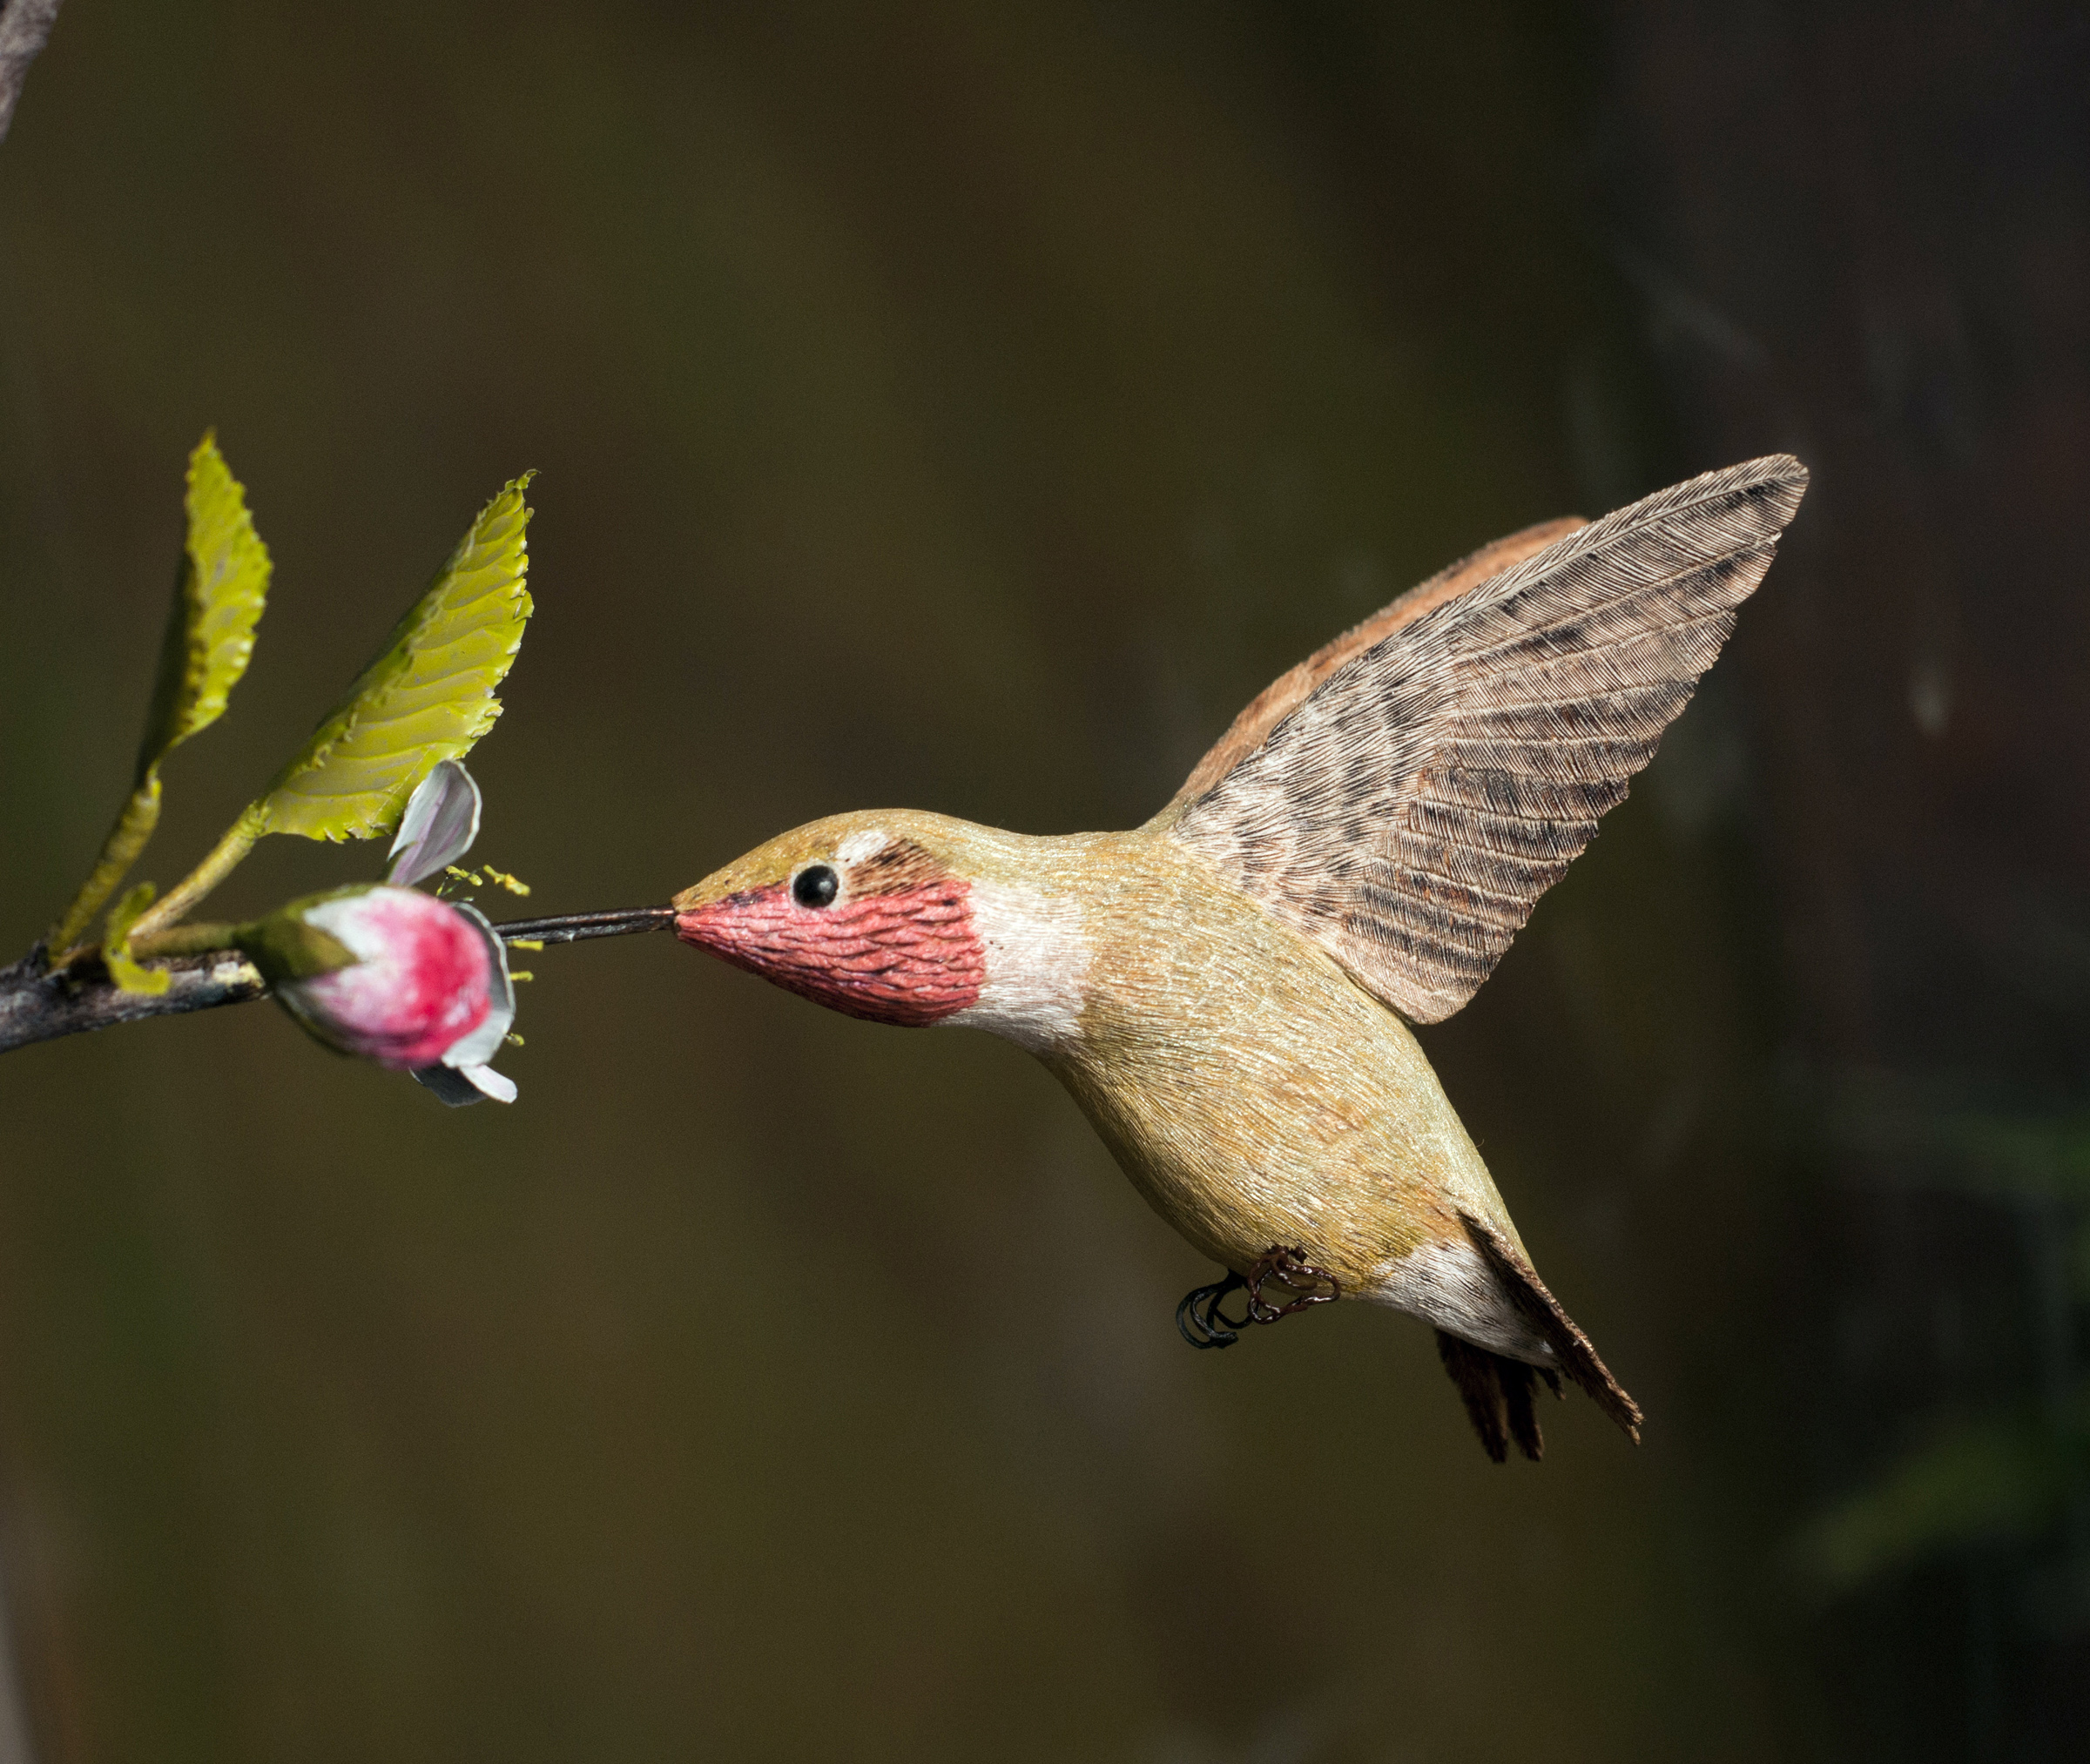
[
  {"x": 1284, "y": 694},
  {"x": 1408, "y": 809}
]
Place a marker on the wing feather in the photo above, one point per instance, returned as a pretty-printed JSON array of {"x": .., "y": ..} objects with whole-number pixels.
[
  {"x": 1406, "y": 796},
  {"x": 1290, "y": 689}
]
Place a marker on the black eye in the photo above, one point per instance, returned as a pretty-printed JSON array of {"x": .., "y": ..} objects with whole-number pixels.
[{"x": 815, "y": 886}]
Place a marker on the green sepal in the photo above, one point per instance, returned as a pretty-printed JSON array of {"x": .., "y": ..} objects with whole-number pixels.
[
  {"x": 285, "y": 947},
  {"x": 115, "y": 946},
  {"x": 428, "y": 696}
]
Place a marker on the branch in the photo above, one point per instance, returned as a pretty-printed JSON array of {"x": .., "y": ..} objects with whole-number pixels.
[
  {"x": 37, "y": 1004},
  {"x": 24, "y": 27}
]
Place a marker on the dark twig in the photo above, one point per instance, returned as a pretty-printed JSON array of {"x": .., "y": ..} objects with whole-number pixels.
[
  {"x": 24, "y": 28},
  {"x": 573, "y": 927},
  {"x": 37, "y": 1004}
]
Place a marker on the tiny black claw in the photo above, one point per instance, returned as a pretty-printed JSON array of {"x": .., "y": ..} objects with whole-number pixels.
[
  {"x": 1200, "y": 1321},
  {"x": 1204, "y": 1324}
]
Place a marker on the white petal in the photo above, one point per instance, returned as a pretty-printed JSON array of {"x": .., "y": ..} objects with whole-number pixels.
[
  {"x": 346, "y": 918},
  {"x": 454, "y": 1088},
  {"x": 483, "y": 1043},
  {"x": 441, "y": 822},
  {"x": 494, "y": 1084}
]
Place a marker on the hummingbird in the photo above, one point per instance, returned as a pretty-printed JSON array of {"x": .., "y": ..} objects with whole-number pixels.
[{"x": 1227, "y": 991}]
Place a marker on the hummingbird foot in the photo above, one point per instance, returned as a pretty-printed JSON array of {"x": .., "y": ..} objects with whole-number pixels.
[
  {"x": 1200, "y": 1320},
  {"x": 1293, "y": 1271},
  {"x": 1203, "y": 1324}
]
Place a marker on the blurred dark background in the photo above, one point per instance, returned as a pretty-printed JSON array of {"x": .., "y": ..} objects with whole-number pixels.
[{"x": 970, "y": 407}]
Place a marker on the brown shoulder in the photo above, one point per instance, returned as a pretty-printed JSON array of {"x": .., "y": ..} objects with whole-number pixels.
[{"x": 1276, "y": 701}]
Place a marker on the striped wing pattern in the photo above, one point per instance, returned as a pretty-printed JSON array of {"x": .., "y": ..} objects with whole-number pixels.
[{"x": 1409, "y": 812}]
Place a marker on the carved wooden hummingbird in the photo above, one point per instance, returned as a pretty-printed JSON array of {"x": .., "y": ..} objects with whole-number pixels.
[{"x": 1223, "y": 989}]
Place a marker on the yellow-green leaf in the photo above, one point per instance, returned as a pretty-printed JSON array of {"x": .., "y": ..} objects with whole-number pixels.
[
  {"x": 220, "y": 591},
  {"x": 427, "y": 698},
  {"x": 115, "y": 946},
  {"x": 218, "y": 600}
]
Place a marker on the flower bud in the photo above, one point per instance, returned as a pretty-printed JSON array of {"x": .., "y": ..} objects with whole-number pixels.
[{"x": 394, "y": 975}]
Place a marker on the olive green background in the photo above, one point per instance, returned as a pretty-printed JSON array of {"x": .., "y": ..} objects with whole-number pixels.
[{"x": 969, "y": 408}]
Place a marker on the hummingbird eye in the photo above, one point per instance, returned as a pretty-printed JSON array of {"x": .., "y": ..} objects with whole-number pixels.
[{"x": 815, "y": 886}]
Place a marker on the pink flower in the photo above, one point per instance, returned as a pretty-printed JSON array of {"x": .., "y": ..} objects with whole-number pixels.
[
  {"x": 391, "y": 974},
  {"x": 428, "y": 991}
]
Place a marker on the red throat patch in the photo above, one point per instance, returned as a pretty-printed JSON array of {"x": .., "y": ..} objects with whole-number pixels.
[{"x": 908, "y": 956}]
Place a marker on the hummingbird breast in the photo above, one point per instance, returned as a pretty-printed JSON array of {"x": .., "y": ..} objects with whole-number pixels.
[{"x": 1257, "y": 1095}]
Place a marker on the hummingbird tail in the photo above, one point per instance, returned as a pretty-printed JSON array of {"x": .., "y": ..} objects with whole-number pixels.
[{"x": 1497, "y": 1390}]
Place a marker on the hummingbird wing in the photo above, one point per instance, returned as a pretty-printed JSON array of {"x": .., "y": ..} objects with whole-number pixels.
[
  {"x": 1405, "y": 797},
  {"x": 1276, "y": 701}
]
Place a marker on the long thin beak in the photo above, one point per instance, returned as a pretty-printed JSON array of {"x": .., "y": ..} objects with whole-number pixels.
[{"x": 572, "y": 927}]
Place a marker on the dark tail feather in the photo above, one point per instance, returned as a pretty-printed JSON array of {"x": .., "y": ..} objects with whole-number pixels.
[
  {"x": 1498, "y": 1397},
  {"x": 1517, "y": 1380},
  {"x": 1570, "y": 1346}
]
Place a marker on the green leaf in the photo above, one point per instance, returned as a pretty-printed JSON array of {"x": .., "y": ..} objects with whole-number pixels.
[
  {"x": 427, "y": 698},
  {"x": 220, "y": 591},
  {"x": 218, "y": 596},
  {"x": 115, "y": 946}
]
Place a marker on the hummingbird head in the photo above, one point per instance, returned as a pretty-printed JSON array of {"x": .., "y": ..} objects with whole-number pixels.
[{"x": 869, "y": 914}]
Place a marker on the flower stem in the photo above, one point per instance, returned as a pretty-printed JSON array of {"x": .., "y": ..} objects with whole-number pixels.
[
  {"x": 224, "y": 857},
  {"x": 186, "y": 939},
  {"x": 120, "y": 851}
]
